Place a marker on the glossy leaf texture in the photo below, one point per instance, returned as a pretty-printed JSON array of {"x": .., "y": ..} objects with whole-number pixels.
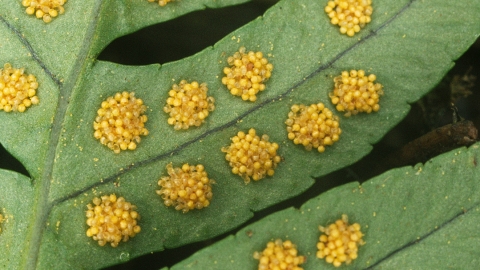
[
  {"x": 422, "y": 217},
  {"x": 409, "y": 45}
]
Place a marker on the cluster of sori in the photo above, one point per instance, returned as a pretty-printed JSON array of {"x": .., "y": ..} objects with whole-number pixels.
[
  {"x": 44, "y": 9},
  {"x": 356, "y": 92},
  {"x": 313, "y": 127},
  {"x": 112, "y": 220},
  {"x": 188, "y": 104},
  {"x": 186, "y": 188},
  {"x": 279, "y": 255},
  {"x": 120, "y": 122},
  {"x": 251, "y": 156},
  {"x": 18, "y": 91},
  {"x": 337, "y": 245},
  {"x": 246, "y": 74},
  {"x": 349, "y": 15},
  {"x": 339, "y": 242}
]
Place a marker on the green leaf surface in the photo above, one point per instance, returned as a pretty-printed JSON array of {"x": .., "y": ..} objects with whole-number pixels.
[
  {"x": 15, "y": 207},
  {"x": 409, "y": 45},
  {"x": 422, "y": 217}
]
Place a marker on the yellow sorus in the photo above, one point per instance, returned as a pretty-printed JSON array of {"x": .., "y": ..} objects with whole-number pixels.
[
  {"x": 17, "y": 89},
  {"x": 279, "y": 255},
  {"x": 188, "y": 104},
  {"x": 356, "y": 92},
  {"x": 313, "y": 127},
  {"x": 111, "y": 220},
  {"x": 162, "y": 3},
  {"x": 252, "y": 156},
  {"x": 120, "y": 122},
  {"x": 1, "y": 221},
  {"x": 340, "y": 241},
  {"x": 246, "y": 74},
  {"x": 349, "y": 15},
  {"x": 44, "y": 9},
  {"x": 186, "y": 188}
]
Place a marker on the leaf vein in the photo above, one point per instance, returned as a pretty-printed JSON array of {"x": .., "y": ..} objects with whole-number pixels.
[
  {"x": 237, "y": 119},
  {"x": 43, "y": 206},
  {"x": 421, "y": 239},
  {"x": 29, "y": 47}
]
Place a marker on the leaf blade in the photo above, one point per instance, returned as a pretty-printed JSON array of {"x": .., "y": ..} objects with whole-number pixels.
[
  {"x": 405, "y": 214},
  {"x": 15, "y": 207},
  {"x": 303, "y": 77},
  {"x": 231, "y": 115}
]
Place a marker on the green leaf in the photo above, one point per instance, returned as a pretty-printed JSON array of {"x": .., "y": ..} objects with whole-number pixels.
[
  {"x": 409, "y": 45},
  {"x": 15, "y": 207},
  {"x": 407, "y": 216}
]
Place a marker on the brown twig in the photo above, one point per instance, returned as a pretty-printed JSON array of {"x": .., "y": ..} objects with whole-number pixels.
[{"x": 440, "y": 140}]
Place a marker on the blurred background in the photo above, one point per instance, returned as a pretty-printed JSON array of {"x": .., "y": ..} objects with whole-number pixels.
[{"x": 189, "y": 34}]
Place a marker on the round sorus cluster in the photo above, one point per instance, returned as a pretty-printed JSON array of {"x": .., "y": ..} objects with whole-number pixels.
[
  {"x": 186, "y": 188},
  {"x": 252, "y": 156},
  {"x": 162, "y": 3},
  {"x": 246, "y": 74},
  {"x": 188, "y": 104},
  {"x": 44, "y": 9},
  {"x": 279, "y": 255},
  {"x": 350, "y": 15},
  {"x": 339, "y": 243},
  {"x": 112, "y": 220},
  {"x": 356, "y": 92},
  {"x": 120, "y": 122},
  {"x": 17, "y": 89},
  {"x": 313, "y": 127}
]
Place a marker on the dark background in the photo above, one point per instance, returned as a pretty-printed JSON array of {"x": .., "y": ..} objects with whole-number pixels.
[{"x": 194, "y": 32}]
